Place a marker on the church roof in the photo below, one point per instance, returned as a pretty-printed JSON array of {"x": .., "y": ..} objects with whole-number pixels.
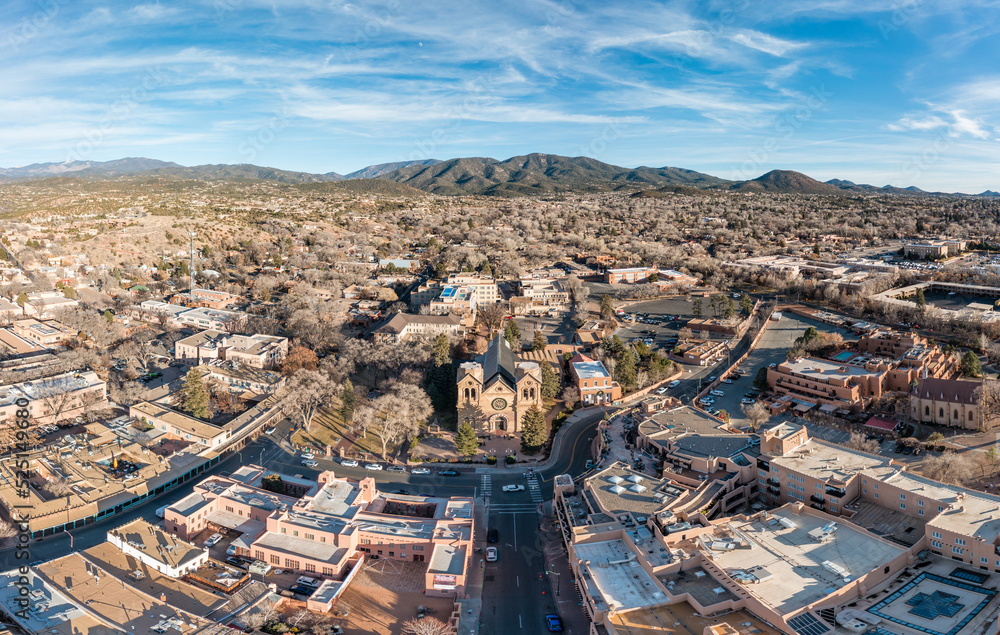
[{"x": 500, "y": 361}]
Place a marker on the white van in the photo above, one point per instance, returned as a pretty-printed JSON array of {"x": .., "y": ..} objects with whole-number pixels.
[
  {"x": 161, "y": 511},
  {"x": 305, "y": 580}
]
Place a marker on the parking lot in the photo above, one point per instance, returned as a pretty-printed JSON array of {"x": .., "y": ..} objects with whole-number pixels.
[
  {"x": 840, "y": 437},
  {"x": 771, "y": 349}
]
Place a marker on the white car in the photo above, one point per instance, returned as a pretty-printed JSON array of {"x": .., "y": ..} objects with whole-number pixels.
[
  {"x": 374, "y": 466},
  {"x": 308, "y": 455},
  {"x": 674, "y": 384},
  {"x": 491, "y": 554},
  {"x": 747, "y": 401},
  {"x": 420, "y": 470},
  {"x": 513, "y": 488},
  {"x": 270, "y": 430},
  {"x": 661, "y": 391},
  {"x": 213, "y": 540},
  {"x": 231, "y": 551},
  {"x": 717, "y": 393},
  {"x": 349, "y": 463},
  {"x": 309, "y": 463}
]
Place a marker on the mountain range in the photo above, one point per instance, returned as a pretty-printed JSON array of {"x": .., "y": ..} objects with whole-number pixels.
[{"x": 531, "y": 174}]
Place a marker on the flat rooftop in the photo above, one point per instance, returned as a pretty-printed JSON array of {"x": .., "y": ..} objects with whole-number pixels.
[
  {"x": 156, "y": 543},
  {"x": 611, "y": 571},
  {"x": 823, "y": 370},
  {"x": 621, "y": 490},
  {"x": 823, "y": 460},
  {"x": 796, "y": 562}
]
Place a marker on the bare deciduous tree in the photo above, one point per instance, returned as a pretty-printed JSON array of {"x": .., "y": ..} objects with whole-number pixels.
[{"x": 427, "y": 626}]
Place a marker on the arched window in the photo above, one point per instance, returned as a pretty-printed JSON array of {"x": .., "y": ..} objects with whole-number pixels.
[
  {"x": 970, "y": 415},
  {"x": 524, "y": 393},
  {"x": 466, "y": 394},
  {"x": 941, "y": 412},
  {"x": 927, "y": 411},
  {"x": 473, "y": 393},
  {"x": 532, "y": 394},
  {"x": 956, "y": 414}
]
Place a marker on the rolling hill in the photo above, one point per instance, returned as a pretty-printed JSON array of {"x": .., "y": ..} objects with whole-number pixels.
[
  {"x": 81, "y": 169},
  {"x": 786, "y": 182}
]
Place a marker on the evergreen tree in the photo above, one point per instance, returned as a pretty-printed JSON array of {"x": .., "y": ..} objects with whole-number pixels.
[
  {"x": 512, "y": 333},
  {"x": 533, "y": 432},
  {"x": 466, "y": 440},
  {"x": 539, "y": 342},
  {"x": 625, "y": 369},
  {"x": 348, "y": 400},
  {"x": 696, "y": 308},
  {"x": 486, "y": 270},
  {"x": 550, "y": 381},
  {"x": 21, "y": 299},
  {"x": 921, "y": 301},
  {"x": 746, "y": 304},
  {"x": 109, "y": 317},
  {"x": 441, "y": 352},
  {"x": 971, "y": 367},
  {"x": 194, "y": 396},
  {"x": 607, "y": 307}
]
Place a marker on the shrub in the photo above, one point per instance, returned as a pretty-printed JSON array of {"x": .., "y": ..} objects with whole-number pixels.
[{"x": 510, "y": 459}]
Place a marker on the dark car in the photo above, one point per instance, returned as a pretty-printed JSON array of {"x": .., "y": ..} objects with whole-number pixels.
[
  {"x": 448, "y": 473},
  {"x": 554, "y": 623},
  {"x": 236, "y": 562},
  {"x": 493, "y": 536},
  {"x": 301, "y": 588}
]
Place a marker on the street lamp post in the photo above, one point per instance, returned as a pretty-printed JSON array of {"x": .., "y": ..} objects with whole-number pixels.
[{"x": 558, "y": 581}]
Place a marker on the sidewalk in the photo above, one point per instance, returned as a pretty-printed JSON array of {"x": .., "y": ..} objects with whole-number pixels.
[{"x": 469, "y": 622}]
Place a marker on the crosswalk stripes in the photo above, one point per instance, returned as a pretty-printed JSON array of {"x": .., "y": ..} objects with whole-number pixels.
[
  {"x": 536, "y": 491},
  {"x": 486, "y": 485}
]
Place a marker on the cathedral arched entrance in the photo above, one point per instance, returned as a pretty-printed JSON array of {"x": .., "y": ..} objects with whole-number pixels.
[{"x": 499, "y": 423}]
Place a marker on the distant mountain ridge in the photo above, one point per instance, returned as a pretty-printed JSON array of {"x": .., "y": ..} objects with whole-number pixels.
[
  {"x": 127, "y": 165},
  {"x": 539, "y": 174},
  {"x": 375, "y": 171},
  {"x": 524, "y": 175}
]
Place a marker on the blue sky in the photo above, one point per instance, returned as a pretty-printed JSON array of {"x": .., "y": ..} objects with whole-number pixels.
[{"x": 904, "y": 92}]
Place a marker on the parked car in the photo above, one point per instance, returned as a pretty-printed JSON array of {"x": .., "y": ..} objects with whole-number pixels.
[
  {"x": 554, "y": 623},
  {"x": 395, "y": 468},
  {"x": 236, "y": 562},
  {"x": 213, "y": 540},
  {"x": 349, "y": 463},
  {"x": 231, "y": 551},
  {"x": 727, "y": 381},
  {"x": 491, "y": 554},
  {"x": 717, "y": 393},
  {"x": 310, "y": 463},
  {"x": 448, "y": 473},
  {"x": 271, "y": 430},
  {"x": 420, "y": 470},
  {"x": 661, "y": 391},
  {"x": 513, "y": 488},
  {"x": 308, "y": 455},
  {"x": 302, "y": 589},
  {"x": 674, "y": 384},
  {"x": 377, "y": 467},
  {"x": 493, "y": 536},
  {"x": 746, "y": 401}
]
